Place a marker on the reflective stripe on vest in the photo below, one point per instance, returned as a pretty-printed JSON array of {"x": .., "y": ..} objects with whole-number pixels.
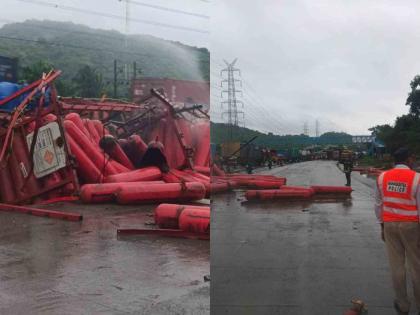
[{"x": 399, "y": 190}]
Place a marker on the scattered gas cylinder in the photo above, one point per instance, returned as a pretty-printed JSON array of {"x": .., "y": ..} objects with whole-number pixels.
[
  {"x": 195, "y": 220},
  {"x": 140, "y": 175},
  {"x": 145, "y": 193}
]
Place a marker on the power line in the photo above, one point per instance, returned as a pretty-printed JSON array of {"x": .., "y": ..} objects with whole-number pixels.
[
  {"x": 158, "y": 7},
  {"x": 113, "y": 16}
]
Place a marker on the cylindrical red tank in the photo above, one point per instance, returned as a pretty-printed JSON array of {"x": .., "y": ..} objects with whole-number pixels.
[
  {"x": 332, "y": 189},
  {"x": 90, "y": 150},
  {"x": 75, "y": 118},
  {"x": 140, "y": 175},
  {"x": 190, "y": 178},
  {"x": 86, "y": 169},
  {"x": 21, "y": 155},
  {"x": 195, "y": 220},
  {"x": 219, "y": 187},
  {"x": 217, "y": 171},
  {"x": 202, "y": 151},
  {"x": 139, "y": 143},
  {"x": 205, "y": 170},
  {"x": 160, "y": 192},
  {"x": 170, "y": 178},
  {"x": 277, "y": 194},
  {"x": 118, "y": 154},
  {"x": 100, "y": 128},
  {"x": 263, "y": 184},
  {"x": 7, "y": 193},
  {"x": 119, "y": 168},
  {"x": 298, "y": 188},
  {"x": 94, "y": 135},
  {"x": 198, "y": 175},
  {"x": 98, "y": 193},
  {"x": 167, "y": 215}
]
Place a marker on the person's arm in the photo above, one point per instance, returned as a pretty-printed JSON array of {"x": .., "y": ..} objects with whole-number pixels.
[
  {"x": 418, "y": 200},
  {"x": 378, "y": 204},
  {"x": 378, "y": 209}
]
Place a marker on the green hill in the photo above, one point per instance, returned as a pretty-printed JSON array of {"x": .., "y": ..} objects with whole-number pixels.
[
  {"x": 70, "y": 47},
  {"x": 220, "y": 134}
]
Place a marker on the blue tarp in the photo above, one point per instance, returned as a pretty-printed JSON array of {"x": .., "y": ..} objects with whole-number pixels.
[{"x": 7, "y": 89}]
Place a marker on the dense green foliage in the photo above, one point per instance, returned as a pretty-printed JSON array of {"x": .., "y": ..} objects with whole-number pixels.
[
  {"x": 406, "y": 129},
  {"x": 70, "y": 48},
  {"x": 220, "y": 134}
]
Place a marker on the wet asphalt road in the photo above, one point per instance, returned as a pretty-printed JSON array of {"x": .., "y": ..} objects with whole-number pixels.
[
  {"x": 50, "y": 266},
  {"x": 299, "y": 258}
]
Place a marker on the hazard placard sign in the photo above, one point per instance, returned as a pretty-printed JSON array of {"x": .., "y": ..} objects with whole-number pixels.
[{"x": 49, "y": 154}]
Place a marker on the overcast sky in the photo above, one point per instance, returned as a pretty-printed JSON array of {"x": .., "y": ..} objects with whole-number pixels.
[
  {"x": 20, "y": 10},
  {"x": 346, "y": 63}
]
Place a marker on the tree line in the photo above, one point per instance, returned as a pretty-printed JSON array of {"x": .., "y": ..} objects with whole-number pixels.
[{"x": 406, "y": 129}]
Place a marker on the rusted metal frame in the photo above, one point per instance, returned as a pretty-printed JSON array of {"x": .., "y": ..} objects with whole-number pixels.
[
  {"x": 68, "y": 216},
  {"x": 187, "y": 150},
  {"x": 50, "y": 77}
]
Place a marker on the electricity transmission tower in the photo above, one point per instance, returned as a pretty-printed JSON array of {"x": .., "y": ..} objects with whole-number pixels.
[
  {"x": 305, "y": 128},
  {"x": 232, "y": 102}
]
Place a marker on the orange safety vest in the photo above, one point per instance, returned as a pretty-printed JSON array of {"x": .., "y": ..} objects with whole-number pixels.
[{"x": 399, "y": 189}]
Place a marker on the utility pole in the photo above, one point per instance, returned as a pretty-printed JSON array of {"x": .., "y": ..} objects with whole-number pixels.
[{"x": 231, "y": 102}]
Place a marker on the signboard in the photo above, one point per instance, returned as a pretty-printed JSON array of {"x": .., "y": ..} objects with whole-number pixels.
[
  {"x": 8, "y": 69},
  {"x": 49, "y": 156},
  {"x": 363, "y": 139}
]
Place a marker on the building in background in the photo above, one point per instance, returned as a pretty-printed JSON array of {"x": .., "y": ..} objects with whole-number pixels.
[{"x": 178, "y": 91}]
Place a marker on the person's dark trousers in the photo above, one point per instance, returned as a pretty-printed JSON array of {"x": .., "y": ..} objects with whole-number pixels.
[
  {"x": 348, "y": 178},
  {"x": 402, "y": 241}
]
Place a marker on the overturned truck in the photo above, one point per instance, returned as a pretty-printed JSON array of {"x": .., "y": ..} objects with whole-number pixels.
[{"x": 53, "y": 148}]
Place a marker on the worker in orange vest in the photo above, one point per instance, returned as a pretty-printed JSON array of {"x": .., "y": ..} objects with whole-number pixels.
[{"x": 397, "y": 209}]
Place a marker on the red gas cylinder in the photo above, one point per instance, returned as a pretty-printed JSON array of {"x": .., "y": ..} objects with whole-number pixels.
[
  {"x": 119, "y": 155},
  {"x": 94, "y": 135},
  {"x": 97, "y": 193},
  {"x": 264, "y": 184},
  {"x": 277, "y": 194},
  {"x": 110, "y": 145},
  {"x": 219, "y": 187},
  {"x": 202, "y": 169},
  {"x": 191, "y": 178},
  {"x": 173, "y": 151},
  {"x": 198, "y": 175},
  {"x": 332, "y": 190},
  {"x": 298, "y": 188},
  {"x": 48, "y": 118},
  {"x": 170, "y": 178},
  {"x": 119, "y": 168},
  {"x": 202, "y": 151},
  {"x": 86, "y": 169},
  {"x": 21, "y": 155},
  {"x": 145, "y": 193},
  {"x": 140, "y": 175},
  {"x": 98, "y": 158},
  {"x": 75, "y": 118},
  {"x": 195, "y": 220},
  {"x": 167, "y": 215},
  {"x": 139, "y": 143},
  {"x": 100, "y": 129},
  {"x": 217, "y": 171}
]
